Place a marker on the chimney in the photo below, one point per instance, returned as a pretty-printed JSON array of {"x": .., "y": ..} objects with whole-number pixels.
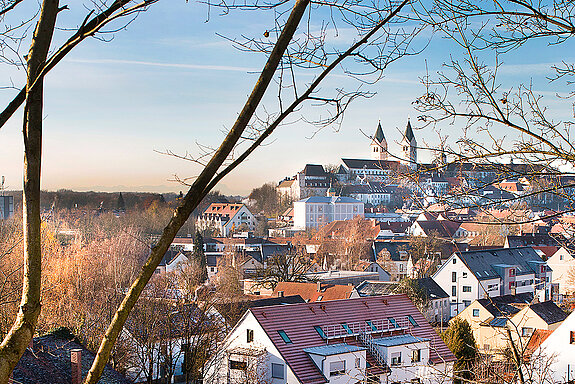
[
  {"x": 319, "y": 286},
  {"x": 76, "y": 360}
]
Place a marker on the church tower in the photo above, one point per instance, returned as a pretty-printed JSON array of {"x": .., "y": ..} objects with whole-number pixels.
[
  {"x": 378, "y": 145},
  {"x": 409, "y": 148}
]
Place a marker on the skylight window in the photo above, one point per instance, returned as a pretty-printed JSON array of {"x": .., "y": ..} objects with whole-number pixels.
[
  {"x": 320, "y": 332},
  {"x": 412, "y": 321},
  {"x": 284, "y": 337},
  {"x": 393, "y": 322},
  {"x": 370, "y": 324},
  {"x": 347, "y": 328}
]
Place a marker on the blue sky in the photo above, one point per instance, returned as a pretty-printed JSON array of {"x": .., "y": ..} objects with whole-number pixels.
[{"x": 168, "y": 81}]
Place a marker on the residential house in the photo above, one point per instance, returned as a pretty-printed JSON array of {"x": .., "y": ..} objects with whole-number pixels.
[
  {"x": 472, "y": 275},
  {"x": 562, "y": 263},
  {"x": 226, "y": 218},
  {"x": 491, "y": 320},
  {"x": 312, "y": 292},
  {"x": 371, "y": 339},
  {"x": 374, "y": 193},
  {"x": 392, "y": 256},
  {"x": 553, "y": 360},
  {"x": 315, "y": 212},
  {"x": 313, "y": 180}
]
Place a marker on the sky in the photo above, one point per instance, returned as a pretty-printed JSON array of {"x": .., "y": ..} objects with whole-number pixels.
[{"x": 169, "y": 82}]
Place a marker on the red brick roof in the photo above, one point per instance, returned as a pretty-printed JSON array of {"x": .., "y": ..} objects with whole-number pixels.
[
  {"x": 309, "y": 292},
  {"x": 537, "y": 338},
  {"x": 223, "y": 208},
  {"x": 298, "y": 321}
]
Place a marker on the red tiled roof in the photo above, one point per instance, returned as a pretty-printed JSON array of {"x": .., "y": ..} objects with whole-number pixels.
[
  {"x": 223, "y": 208},
  {"x": 308, "y": 291},
  {"x": 548, "y": 250},
  {"x": 298, "y": 321},
  {"x": 538, "y": 337}
]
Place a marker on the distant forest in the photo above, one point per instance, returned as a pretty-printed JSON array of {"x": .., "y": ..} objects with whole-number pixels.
[{"x": 66, "y": 199}]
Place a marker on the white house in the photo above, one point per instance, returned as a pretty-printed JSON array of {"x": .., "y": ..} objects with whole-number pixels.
[
  {"x": 553, "y": 360},
  {"x": 472, "y": 275},
  {"x": 226, "y": 218},
  {"x": 563, "y": 265},
  {"x": 371, "y": 339},
  {"x": 317, "y": 211}
]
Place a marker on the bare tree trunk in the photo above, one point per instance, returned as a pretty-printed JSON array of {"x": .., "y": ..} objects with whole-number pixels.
[
  {"x": 195, "y": 194},
  {"x": 22, "y": 331}
]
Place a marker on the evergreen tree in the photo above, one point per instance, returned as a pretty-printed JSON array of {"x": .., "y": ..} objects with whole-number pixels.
[
  {"x": 121, "y": 205},
  {"x": 459, "y": 338},
  {"x": 200, "y": 257}
]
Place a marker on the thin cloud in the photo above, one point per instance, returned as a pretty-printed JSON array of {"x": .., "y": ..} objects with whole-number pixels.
[{"x": 226, "y": 68}]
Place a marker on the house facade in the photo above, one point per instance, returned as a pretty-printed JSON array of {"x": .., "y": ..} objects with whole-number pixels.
[
  {"x": 492, "y": 319},
  {"x": 226, "y": 218},
  {"x": 472, "y": 275},
  {"x": 317, "y": 211},
  {"x": 376, "y": 339}
]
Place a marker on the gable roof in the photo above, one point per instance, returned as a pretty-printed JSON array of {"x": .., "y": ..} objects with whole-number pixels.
[
  {"x": 431, "y": 289},
  {"x": 549, "y": 312},
  {"x": 483, "y": 263},
  {"x": 537, "y": 337},
  {"x": 310, "y": 293},
  {"x": 298, "y": 322},
  {"x": 439, "y": 228},
  {"x": 396, "y": 250}
]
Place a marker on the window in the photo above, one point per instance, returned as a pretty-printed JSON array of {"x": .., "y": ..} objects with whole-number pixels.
[
  {"x": 453, "y": 290},
  {"x": 392, "y": 322},
  {"x": 277, "y": 371},
  {"x": 395, "y": 359},
  {"x": 357, "y": 362},
  {"x": 453, "y": 277},
  {"x": 284, "y": 337},
  {"x": 466, "y": 303},
  {"x": 416, "y": 356},
  {"x": 250, "y": 335},
  {"x": 337, "y": 368},
  {"x": 370, "y": 324},
  {"x": 241, "y": 365},
  {"x": 512, "y": 272},
  {"x": 319, "y": 298},
  {"x": 526, "y": 331},
  {"x": 320, "y": 332},
  {"x": 572, "y": 337},
  {"x": 464, "y": 274},
  {"x": 347, "y": 328},
  {"x": 511, "y": 284},
  {"x": 454, "y": 260},
  {"x": 466, "y": 288},
  {"x": 412, "y": 321},
  {"x": 476, "y": 313}
]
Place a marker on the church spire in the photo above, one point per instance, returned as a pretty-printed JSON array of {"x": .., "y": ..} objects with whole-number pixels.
[
  {"x": 379, "y": 144},
  {"x": 379, "y": 137}
]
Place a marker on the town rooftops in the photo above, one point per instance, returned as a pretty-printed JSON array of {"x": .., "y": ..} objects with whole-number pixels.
[
  {"x": 304, "y": 325},
  {"x": 481, "y": 263},
  {"x": 334, "y": 349}
]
